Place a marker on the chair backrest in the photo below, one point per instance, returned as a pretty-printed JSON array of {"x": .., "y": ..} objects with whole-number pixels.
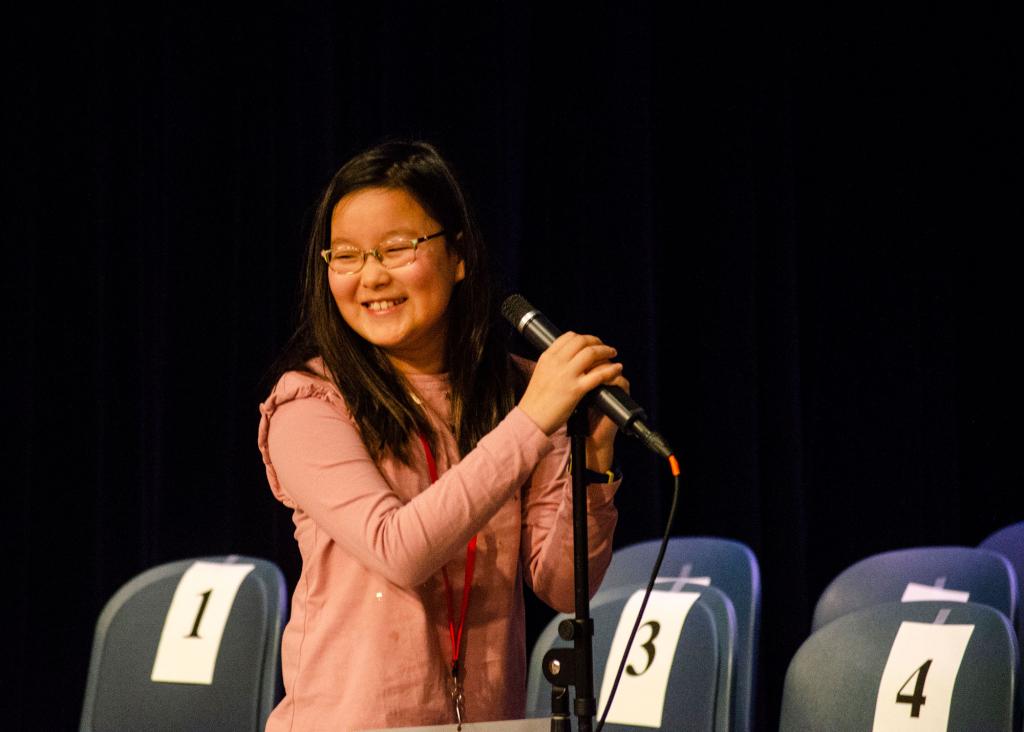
[
  {"x": 986, "y": 578},
  {"x": 1009, "y": 541},
  {"x": 139, "y": 620},
  {"x": 728, "y": 565},
  {"x": 702, "y": 677},
  {"x": 900, "y": 664}
]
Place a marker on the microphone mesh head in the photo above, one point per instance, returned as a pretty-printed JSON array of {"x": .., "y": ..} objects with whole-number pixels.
[{"x": 514, "y": 308}]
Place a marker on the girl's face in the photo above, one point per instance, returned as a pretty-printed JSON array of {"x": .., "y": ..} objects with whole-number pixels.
[{"x": 404, "y": 311}]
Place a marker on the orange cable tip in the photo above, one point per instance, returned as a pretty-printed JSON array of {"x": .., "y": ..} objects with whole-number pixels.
[{"x": 674, "y": 465}]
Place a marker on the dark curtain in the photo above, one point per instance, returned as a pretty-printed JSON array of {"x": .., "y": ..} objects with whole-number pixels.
[{"x": 800, "y": 233}]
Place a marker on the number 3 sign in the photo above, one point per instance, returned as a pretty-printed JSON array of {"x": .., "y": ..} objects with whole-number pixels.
[
  {"x": 918, "y": 680},
  {"x": 640, "y": 698}
]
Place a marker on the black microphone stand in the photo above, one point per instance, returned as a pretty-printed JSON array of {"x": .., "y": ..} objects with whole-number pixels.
[{"x": 565, "y": 667}]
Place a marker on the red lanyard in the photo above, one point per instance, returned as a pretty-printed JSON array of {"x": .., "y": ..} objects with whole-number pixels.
[{"x": 456, "y": 636}]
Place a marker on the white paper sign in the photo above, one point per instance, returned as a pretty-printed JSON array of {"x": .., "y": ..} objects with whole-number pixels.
[
  {"x": 682, "y": 581},
  {"x": 640, "y": 698},
  {"x": 195, "y": 622},
  {"x": 917, "y": 593},
  {"x": 917, "y": 685}
]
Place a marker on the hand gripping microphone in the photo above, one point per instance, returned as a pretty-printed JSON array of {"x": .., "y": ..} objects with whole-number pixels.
[{"x": 612, "y": 401}]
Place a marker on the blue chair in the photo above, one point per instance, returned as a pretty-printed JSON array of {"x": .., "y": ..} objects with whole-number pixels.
[
  {"x": 120, "y": 694},
  {"x": 727, "y": 565},
  {"x": 1009, "y": 541},
  {"x": 702, "y": 679},
  {"x": 833, "y": 681},
  {"x": 985, "y": 575}
]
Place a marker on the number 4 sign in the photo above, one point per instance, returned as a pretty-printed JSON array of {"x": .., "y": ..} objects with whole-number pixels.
[
  {"x": 919, "y": 676},
  {"x": 195, "y": 622}
]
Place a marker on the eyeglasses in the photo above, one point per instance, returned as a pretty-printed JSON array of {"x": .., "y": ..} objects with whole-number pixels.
[{"x": 391, "y": 254}]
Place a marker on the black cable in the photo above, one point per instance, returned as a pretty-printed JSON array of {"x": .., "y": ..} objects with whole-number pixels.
[{"x": 643, "y": 605}]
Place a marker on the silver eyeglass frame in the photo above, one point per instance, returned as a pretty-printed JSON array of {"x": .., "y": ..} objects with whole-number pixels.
[{"x": 376, "y": 254}]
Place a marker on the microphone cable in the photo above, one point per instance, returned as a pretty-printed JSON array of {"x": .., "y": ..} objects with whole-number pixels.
[{"x": 674, "y": 466}]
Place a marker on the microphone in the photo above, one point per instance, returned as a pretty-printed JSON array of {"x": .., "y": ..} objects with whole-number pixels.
[{"x": 612, "y": 401}]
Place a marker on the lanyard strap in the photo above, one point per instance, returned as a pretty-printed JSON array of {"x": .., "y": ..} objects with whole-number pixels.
[{"x": 455, "y": 635}]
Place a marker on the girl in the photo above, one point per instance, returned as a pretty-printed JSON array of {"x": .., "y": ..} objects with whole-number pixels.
[{"x": 426, "y": 468}]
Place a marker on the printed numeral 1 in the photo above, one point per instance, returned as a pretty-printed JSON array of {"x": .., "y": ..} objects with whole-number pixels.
[{"x": 199, "y": 615}]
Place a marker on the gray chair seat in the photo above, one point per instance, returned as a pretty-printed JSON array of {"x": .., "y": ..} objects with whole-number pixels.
[
  {"x": 120, "y": 694},
  {"x": 834, "y": 679},
  {"x": 702, "y": 678},
  {"x": 727, "y": 565},
  {"x": 1009, "y": 541},
  {"x": 985, "y": 575}
]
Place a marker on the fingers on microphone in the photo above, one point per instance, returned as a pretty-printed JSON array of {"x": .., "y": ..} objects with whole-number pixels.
[
  {"x": 580, "y": 352},
  {"x": 574, "y": 342},
  {"x": 605, "y": 373},
  {"x": 568, "y": 341},
  {"x": 593, "y": 355}
]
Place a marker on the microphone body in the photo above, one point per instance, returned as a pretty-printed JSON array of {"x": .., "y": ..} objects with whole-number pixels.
[{"x": 612, "y": 401}]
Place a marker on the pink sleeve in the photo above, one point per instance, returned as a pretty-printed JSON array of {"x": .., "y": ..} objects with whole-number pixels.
[
  {"x": 317, "y": 463},
  {"x": 547, "y": 542}
]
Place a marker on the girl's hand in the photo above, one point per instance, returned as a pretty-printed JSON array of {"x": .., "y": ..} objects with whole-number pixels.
[
  {"x": 572, "y": 366},
  {"x": 601, "y": 439}
]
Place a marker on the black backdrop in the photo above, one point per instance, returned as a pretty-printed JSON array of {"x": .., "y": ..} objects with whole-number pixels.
[{"x": 799, "y": 232}]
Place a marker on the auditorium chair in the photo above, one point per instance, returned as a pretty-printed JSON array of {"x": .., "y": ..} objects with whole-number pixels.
[
  {"x": 727, "y": 565},
  {"x": 906, "y": 665},
  {"x": 244, "y": 686},
  {"x": 977, "y": 575},
  {"x": 1009, "y": 541},
  {"x": 701, "y": 682}
]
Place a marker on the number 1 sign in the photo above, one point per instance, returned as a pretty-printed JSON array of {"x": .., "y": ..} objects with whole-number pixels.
[
  {"x": 195, "y": 622},
  {"x": 917, "y": 684}
]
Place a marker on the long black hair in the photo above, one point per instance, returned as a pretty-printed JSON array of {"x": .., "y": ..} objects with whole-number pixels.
[{"x": 483, "y": 382}]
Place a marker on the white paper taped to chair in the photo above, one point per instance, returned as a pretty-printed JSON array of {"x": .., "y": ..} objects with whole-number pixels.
[
  {"x": 194, "y": 626},
  {"x": 916, "y": 593},
  {"x": 917, "y": 684},
  {"x": 640, "y": 698}
]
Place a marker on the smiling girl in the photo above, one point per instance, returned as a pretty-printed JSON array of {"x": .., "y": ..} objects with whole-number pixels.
[{"x": 426, "y": 468}]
